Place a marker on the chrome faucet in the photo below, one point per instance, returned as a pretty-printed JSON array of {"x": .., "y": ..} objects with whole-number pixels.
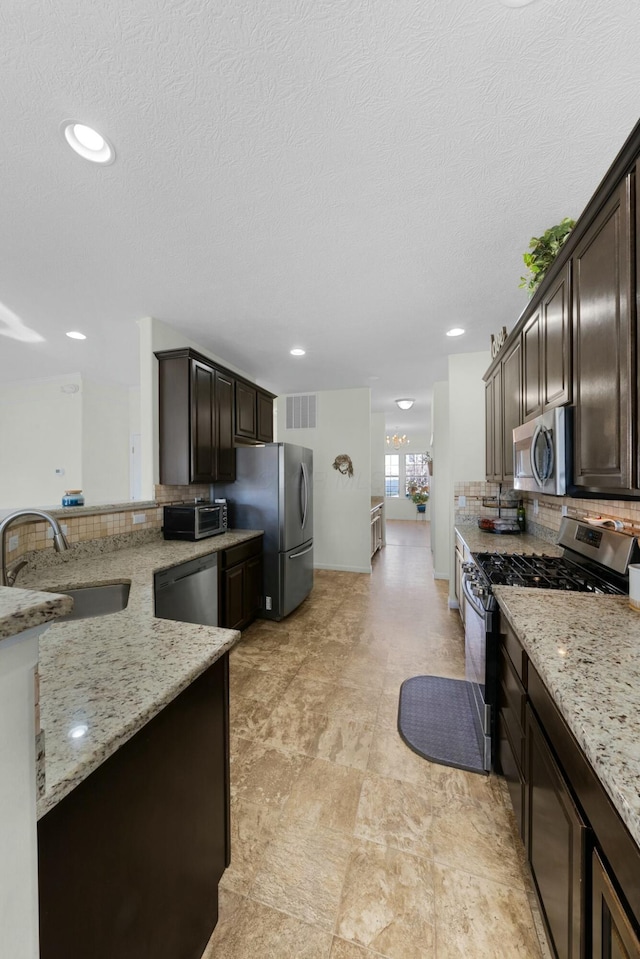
[{"x": 8, "y": 577}]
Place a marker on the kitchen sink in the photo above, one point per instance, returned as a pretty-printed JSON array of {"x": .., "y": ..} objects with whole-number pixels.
[{"x": 95, "y": 600}]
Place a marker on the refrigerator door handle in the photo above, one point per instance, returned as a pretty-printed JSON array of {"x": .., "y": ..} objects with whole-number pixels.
[
  {"x": 305, "y": 491},
  {"x": 303, "y": 553}
]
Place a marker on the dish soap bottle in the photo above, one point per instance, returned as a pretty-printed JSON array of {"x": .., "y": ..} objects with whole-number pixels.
[{"x": 521, "y": 517}]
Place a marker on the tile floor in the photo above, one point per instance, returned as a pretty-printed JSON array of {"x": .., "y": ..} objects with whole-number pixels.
[{"x": 345, "y": 844}]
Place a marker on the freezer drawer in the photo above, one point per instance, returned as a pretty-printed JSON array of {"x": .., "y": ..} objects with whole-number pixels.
[{"x": 296, "y": 577}]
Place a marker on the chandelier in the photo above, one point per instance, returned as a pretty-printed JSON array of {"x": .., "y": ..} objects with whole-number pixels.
[{"x": 397, "y": 441}]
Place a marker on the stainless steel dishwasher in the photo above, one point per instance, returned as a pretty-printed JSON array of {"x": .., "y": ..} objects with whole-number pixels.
[{"x": 189, "y": 592}]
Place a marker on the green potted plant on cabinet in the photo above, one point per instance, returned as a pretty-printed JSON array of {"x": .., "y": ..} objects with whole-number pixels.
[{"x": 542, "y": 252}]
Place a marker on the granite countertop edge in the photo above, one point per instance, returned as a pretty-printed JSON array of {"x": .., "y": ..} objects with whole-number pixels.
[
  {"x": 113, "y": 673},
  {"x": 22, "y": 609},
  {"x": 597, "y": 695},
  {"x": 480, "y": 541}
]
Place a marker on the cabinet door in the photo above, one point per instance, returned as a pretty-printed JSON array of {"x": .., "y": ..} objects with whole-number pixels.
[
  {"x": 556, "y": 343},
  {"x": 233, "y": 585},
  {"x": 203, "y": 445},
  {"x": 252, "y": 587},
  {"x": 511, "y": 406},
  {"x": 531, "y": 405},
  {"x": 225, "y": 450},
  {"x": 602, "y": 350},
  {"x": 245, "y": 410},
  {"x": 265, "y": 418},
  {"x": 613, "y": 934},
  {"x": 555, "y": 837},
  {"x": 493, "y": 417}
]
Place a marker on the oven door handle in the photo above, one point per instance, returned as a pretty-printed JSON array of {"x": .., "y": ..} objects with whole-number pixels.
[{"x": 471, "y": 599}]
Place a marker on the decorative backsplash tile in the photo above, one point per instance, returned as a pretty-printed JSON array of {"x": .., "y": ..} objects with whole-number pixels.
[{"x": 546, "y": 522}]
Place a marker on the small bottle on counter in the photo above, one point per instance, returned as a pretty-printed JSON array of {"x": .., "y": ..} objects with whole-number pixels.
[
  {"x": 521, "y": 517},
  {"x": 73, "y": 497}
]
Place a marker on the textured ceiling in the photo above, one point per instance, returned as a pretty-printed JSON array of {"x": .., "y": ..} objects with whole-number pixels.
[{"x": 351, "y": 176}]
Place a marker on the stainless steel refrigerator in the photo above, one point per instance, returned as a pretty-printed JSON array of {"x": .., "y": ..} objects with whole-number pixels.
[{"x": 273, "y": 491}]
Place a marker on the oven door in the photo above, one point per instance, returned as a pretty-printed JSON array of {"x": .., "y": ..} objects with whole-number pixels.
[
  {"x": 208, "y": 521},
  {"x": 476, "y": 630}
]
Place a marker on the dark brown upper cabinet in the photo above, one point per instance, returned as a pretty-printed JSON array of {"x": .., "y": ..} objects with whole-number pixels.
[
  {"x": 602, "y": 354},
  {"x": 555, "y": 343},
  {"x": 511, "y": 404},
  {"x": 493, "y": 420},
  {"x": 503, "y": 412},
  {"x": 531, "y": 404},
  {"x": 254, "y": 414},
  {"x": 196, "y": 420}
]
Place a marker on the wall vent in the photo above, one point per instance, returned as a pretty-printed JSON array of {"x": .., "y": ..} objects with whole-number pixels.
[{"x": 302, "y": 411}]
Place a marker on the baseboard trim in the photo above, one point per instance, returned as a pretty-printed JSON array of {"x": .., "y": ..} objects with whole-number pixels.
[
  {"x": 453, "y": 604},
  {"x": 437, "y": 575},
  {"x": 343, "y": 569}
]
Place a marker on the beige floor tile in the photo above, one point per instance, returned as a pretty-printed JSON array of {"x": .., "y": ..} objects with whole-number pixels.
[
  {"x": 263, "y": 775},
  {"x": 387, "y": 716},
  {"x": 247, "y": 716},
  {"x": 249, "y": 930},
  {"x": 252, "y": 827},
  {"x": 293, "y": 728},
  {"x": 390, "y": 757},
  {"x": 325, "y": 795},
  {"x": 343, "y": 741},
  {"x": 342, "y": 949},
  {"x": 387, "y": 903},
  {"x": 477, "y": 838},
  {"x": 450, "y": 785},
  {"x": 302, "y": 872},
  {"x": 479, "y": 918},
  {"x": 263, "y": 685},
  {"x": 358, "y": 703},
  {"x": 395, "y": 813}
]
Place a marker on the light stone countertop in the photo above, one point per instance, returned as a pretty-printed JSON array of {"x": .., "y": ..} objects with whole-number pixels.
[
  {"x": 113, "y": 673},
  {"x": 22, "y": 609},
  {"x": 479, "y": 541},
  {"x": 586, "y": 649}
]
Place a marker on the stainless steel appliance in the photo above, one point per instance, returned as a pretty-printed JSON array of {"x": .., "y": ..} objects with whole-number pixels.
[
  {"x": 542, "y": 453},
  {"x": 273, "y": 491},
  {"x": 189, "y": 592},
  {"x": 195, "y": 521},
  {"x": 594, "y": 560}
]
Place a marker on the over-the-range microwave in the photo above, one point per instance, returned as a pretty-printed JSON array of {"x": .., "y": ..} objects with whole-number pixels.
[
  {"x": 195, "y": 521},
  {"x": 542, "y": 453}
]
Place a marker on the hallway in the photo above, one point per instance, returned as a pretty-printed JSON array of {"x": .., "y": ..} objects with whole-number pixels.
[{"x": 346, "y": 844}]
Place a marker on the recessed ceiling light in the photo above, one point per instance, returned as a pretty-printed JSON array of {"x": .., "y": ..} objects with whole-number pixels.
[
  {"x": 88, "y": 142},
  {"x": 297, "y": 352},
  {"x": 76, "y": 336},
  {"x": 405, "y": 404},
  {"x": 456, "y": 331}
]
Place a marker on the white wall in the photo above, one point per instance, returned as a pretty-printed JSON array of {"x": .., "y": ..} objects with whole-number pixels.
[
  {"x": 105, "y": 442},
  {"x": 342, "y": 504},
  {"x": 378, "y": 448},
  {"x": 40, "y": 431},
  {"x": 441, "y": 511},
  {"x": 156, "y": 336}
]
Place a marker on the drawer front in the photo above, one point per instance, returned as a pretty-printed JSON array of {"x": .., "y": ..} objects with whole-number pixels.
[
  {"x": 514, "y": 691},
  {"x": 511, "y": 769},
  {"x": 238, "y": 554},
  {"x": 516, "y": 653}
]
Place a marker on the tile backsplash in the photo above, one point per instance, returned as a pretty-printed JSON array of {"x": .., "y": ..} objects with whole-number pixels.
[
  {"x": 546, "y": 522},
  {"x": 82, "y": 524}
]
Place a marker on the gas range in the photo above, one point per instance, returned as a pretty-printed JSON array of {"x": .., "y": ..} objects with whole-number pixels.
[
  {"x": 542, "y": 572},
  {"x": 594, "y": 560}
]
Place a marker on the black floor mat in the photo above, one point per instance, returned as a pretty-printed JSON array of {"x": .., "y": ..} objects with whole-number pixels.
[{"x": 436, "y": 720}]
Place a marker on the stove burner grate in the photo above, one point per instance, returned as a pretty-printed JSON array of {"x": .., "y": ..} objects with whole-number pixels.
[{"x": 541, "y": 571}]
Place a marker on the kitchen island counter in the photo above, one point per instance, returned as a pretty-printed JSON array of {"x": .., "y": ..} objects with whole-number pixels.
[
  {"x": 102, "y": 679},
  {"x": 586, "y": 649}
]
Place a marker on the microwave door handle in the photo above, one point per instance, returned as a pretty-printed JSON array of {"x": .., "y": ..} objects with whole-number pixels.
[
  {"x": 551, "y": 460},
  {"x": 532, "y": 456}
]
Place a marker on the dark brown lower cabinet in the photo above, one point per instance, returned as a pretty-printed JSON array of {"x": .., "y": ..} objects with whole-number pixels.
[
  {"x": 130, "y": 860},
  {"x": 511, "y": 736},
  {"x": 613, "y": 935},
  {"x": 555, "y": 837},
  {"x": 240, "y": 584}
]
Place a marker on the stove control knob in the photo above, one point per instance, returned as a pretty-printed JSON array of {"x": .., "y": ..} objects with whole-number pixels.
[{"x": 469, "y": 568}]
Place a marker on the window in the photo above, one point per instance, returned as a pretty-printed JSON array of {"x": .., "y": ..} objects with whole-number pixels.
[
  {"x": 392, "y": 474},
  {"x": 416, "y": 471}
]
